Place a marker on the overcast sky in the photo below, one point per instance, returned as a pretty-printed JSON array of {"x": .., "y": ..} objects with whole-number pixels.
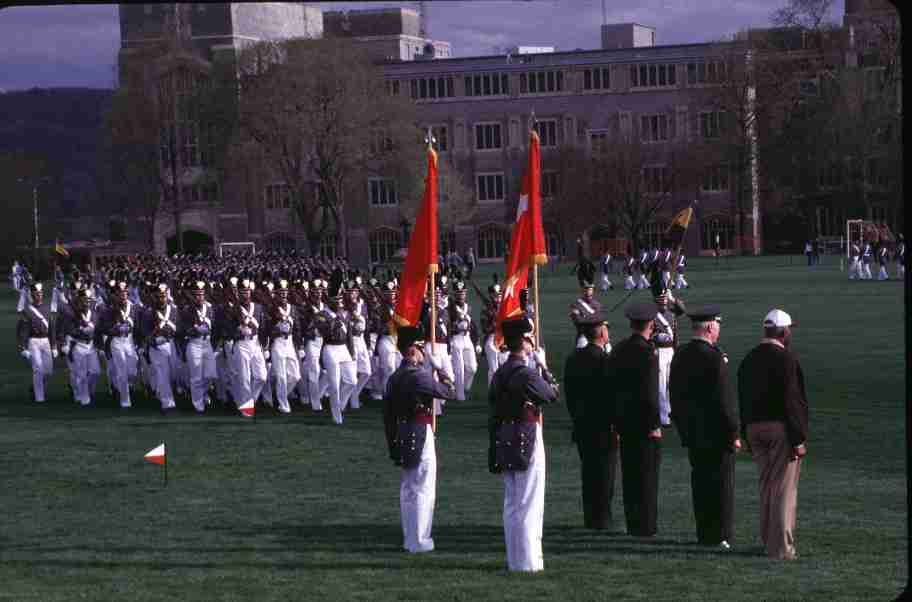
[{"x": 77, "y": 45}]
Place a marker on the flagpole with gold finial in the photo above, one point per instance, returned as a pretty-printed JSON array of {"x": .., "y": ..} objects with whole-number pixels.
[
  {"x": 535, "y": 304},
  {"x": 429, "y": 139}
]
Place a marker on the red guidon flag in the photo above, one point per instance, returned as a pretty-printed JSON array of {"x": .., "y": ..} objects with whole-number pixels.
[
  {"x": 247, "y": 409},
  {"x": 422, "y": 253},
  {"x": 157, "y": 455},
  {"x": 527, "y": 243}
]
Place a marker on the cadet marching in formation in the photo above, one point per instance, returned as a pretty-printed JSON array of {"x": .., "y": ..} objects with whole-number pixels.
[{"x": 270, "y": 328}]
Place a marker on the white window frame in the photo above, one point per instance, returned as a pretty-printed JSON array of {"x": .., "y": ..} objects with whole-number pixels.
[
  {"x": 435, "y": 132},
  {"x": 548, "y": 139},
  {"x": 495, "y": 175},
  {"x": 485, "y": 124},
  {"x": 650, "y": 134},
  {"x": 714, "y": 176},
  {"x": 712, "y": 129},
  {"x": 380, "y": 182},
  {"x": 374, "y": 243}
]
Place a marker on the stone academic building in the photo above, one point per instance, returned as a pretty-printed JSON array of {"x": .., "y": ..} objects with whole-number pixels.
[{"x": 479, "y": 109}]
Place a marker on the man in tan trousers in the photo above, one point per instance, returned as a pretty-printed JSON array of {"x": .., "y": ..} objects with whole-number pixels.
[{"x": 774, "y": 417}]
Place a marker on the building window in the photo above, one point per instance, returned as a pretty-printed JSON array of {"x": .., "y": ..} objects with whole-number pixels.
[
  {"x": 716, "y": 233},
  {"x": 487, "y": 136},
  {"x": 384, "y": 244},
  {"x": 430, "y": 88},
  {"x": 712, "y": 124},
  {"x": 490, "y": 187},
  {"x": 492, "y": 242},
  {"x": 383, "y": 192},
  {"x": 550, "y": 184},
  {"x": 329, "y": 245},
  {"x": 439, "y": 132},
  {"x": 188, "y": 144},
  {"x": 487, "y": 84},
  {"x": 652, "y": 76},
  {"x": 652, "y": 234},
  {"x": 655, "y": 180},
  {"x": 706, "y": 72},
  {"x": 447, "y": 242},
  {"x": 598, "y": 141},
  {"x": 277, "y": 196},
  {"x": 715, "y": 179},
  {"x": 392, "y": 87},
  {"x": 540, "y": 82},
  {"x": 597, "y": 79},
  {"x": 656, "y": 128},
  {"x": 547, "y": 132}
]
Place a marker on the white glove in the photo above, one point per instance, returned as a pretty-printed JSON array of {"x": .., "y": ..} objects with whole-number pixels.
[
  {"x": 26, "y": 354},
  {"x": 436, "y": 361},
  {"x": 302, "y": 354},
  {"x": 477, "y": 348},
  {"x": 540, "y": 357},
  {"x": 266, "y": 355},
  {"x": 54, "y": 353},
  {"x": 65, "y": 349}
]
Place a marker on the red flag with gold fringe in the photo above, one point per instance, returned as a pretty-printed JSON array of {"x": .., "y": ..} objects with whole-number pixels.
[{"x": 421, "y": 260}]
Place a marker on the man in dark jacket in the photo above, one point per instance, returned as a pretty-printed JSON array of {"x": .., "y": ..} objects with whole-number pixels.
[
  {"x": 635, "y": 375},
  {"x": 704, "y": 413},
  {"x": 774, "y": 416},
  {"x": 587, "y": 380}
]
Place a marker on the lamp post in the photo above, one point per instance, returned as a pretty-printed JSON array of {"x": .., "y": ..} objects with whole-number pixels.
[{"x": 35, "y": 183}]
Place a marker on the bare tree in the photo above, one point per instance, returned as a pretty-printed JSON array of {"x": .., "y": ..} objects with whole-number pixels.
[{"x": 318, "y": 111}]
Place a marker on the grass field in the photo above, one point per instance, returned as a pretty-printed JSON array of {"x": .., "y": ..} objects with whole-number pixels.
[{"x": 293, "y": 508}]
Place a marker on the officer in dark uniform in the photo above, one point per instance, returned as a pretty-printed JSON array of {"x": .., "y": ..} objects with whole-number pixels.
[
  {"x": 517, "y": 449},
  {"x": 704, "y": 412},
  {"x": 587, "y": 377},
  {"x": 408, "y": 416},
  {"x": 635, "y": 376}
]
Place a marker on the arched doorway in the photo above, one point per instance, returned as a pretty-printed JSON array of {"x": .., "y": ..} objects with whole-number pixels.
[{"x": 194, "y": 242}]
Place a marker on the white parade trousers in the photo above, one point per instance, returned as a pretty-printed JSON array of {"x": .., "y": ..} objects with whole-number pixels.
[
  {"x": 665, "y": 356},
  {"x": 417, "y": 495},
  {"x": 362, "y": 368},
  {"x": 313, "y": 378},
  {"x": 680, "y": 282},
  {"x": 84, "y": 371},
  {"x": 388, "y": 360},
  {"x": 201, "y": 370},
  {"x": 629, "y": 285},
  {"x": 493, "y": 356},
  {"x": 882, "y": 274},
  {"x": 162, "y": 372},
  {"x": 341, "y": 375},
  {"x": 524, "y": 511},
  {"x": 440, "y": 350},
  {"x": 285, "y": 370},
  {"x": 249, "y": 370},
  {"x": 606, "y": 283},
  {"x": 42, "y": 365},
  {"x": 122, "y": 367},
  {"x": 465, "y": 364}
]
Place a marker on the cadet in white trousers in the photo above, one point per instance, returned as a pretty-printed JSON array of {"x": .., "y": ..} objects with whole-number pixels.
[
  {"x": 463, "y": 342},
  {"x": 249, "y": 364},
  {"x": 195, "y": 336},
  {"x": 493, "y": 355},
  {"x": 408, "y": 419},
  {"x": 516, "y": 395},
  {"x": 357, "y": 312},
  {"x": 34, "y": 334},
  {"x": 158, "y": 334},
  {"x": 285, "y": 368},
  {"x": 440, "y": 353},
  {"x": 76, "y": 335},
  {"x": 341, "y": 373},
  {"x": 116, "y": 332},
  {"x": 314, "y": 321}
]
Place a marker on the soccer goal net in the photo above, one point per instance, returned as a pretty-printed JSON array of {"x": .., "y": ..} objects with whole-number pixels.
[{"x": 236, "y": 248}]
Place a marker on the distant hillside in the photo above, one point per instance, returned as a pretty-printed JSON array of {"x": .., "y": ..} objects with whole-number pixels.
[{"x": 63, "y": 125}]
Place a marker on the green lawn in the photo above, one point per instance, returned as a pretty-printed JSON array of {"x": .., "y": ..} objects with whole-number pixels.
[{"x": 290, "y": 508}]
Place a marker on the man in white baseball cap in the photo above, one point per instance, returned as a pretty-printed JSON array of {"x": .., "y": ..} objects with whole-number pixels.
[{"x": 774, "y": 420}]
